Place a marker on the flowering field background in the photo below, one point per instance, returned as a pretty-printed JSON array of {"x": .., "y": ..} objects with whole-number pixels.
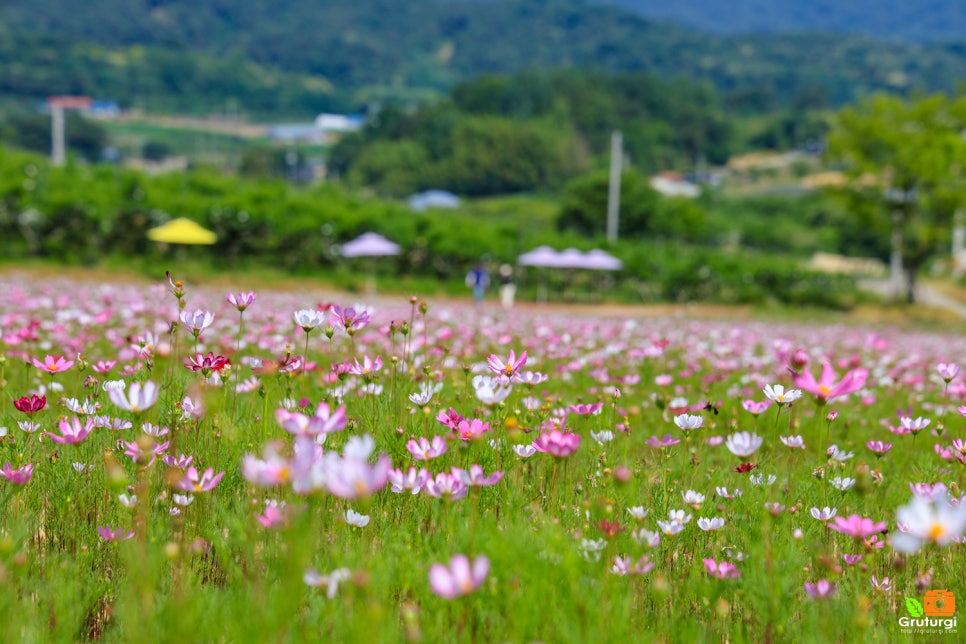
[{"x": 178, "y": 464}]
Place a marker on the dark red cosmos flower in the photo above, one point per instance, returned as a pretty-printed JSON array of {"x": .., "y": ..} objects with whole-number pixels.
[
  {"x": 744, "y": 468},
  {"x": 610, "y": 529},
  {"x": 30, "y": 405}
]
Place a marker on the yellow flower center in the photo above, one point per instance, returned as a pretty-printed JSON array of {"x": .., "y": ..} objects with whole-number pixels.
[
  {"x": 825, "y": 390},
  {"x": 936, "y": 531}
]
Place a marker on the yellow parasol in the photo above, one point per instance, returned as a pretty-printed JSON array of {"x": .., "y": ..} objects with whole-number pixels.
[{"x": 182, "y": 231}]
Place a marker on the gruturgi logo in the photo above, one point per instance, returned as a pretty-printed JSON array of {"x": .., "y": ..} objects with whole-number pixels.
[{"x": 935, "y": 614}]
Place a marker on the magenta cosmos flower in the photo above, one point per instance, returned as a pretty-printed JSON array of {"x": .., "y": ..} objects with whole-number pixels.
[
  {"x": 19, "y": 476},
  {"x": 857, "y": 526},
  {"x": 826, "y": 388},
  {"x": 53, "y": 364},
  {"x": 72, "y": 432},
  {"x": 460, "y": 578},
  {"x": 557, "y": 443},
  {"x": 30, "y": 405}
]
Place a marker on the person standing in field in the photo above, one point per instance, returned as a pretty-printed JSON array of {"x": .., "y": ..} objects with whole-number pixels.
[
  {"x": 478, "y": 279},
  {"x": 508, "y": 289}
]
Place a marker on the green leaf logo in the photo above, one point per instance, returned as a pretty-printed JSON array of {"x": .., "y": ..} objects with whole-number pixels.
[{"x": 914, "y": 607}]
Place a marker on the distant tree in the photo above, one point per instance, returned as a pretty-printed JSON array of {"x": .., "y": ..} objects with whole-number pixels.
[
  {"x": 155, "y": 150},
  {"x": 643, "y": 211},
  {"x": 908, "y": 158}
]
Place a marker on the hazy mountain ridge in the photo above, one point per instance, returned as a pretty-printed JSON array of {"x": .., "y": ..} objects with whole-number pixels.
[
  {"x": 910, "y": 20},
  {"x": 338, "y": 52}
]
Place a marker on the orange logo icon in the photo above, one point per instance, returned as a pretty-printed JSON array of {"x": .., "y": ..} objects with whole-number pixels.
[{"x": 939, "y": 603}]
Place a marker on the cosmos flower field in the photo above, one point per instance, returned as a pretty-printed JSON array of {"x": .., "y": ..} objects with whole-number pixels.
[{"x": 180, "y": 463}]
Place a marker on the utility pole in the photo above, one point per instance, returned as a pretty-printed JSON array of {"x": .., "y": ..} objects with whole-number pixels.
[
  {"x": 57, "y": 106},
  {"x": 58, "y": 156},
  {"x": 614, "y": 186}
]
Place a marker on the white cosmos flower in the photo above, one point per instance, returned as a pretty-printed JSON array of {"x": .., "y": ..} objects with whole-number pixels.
[
  {"x": 524, "y": 451},
  {"x": 759, "y": 480},
  {"x": 824, "y": 514},
  {"x": 842, "y": 484},
  {"x": 692, "y": 498},
  {"x": 353, "y": 518},
  {"x": 687, "y": 422},
  {"x": 308, "y": 319},
  {"x": 602, "y": 437},
  {"x": 197, "y": 321},
  {"x": 928, "y": 520},
  {"x": 711, "y": 524},
  {"x": 778, "y": 394},
  {"x": 138, "y": 398},
  {"x": 795, "y": 442},
  {"x": 637, "y": 511},
  {"x": 834, "y": 453},
  {"x": 743, "y": 444}
]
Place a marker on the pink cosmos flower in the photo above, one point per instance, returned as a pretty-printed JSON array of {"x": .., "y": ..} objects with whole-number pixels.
[
  {"x": 471, "y": 429},
  {"x": 109, "y": 534},
  {"x": 197, "y": 321},
  {"x": 585, "y": 409},
  {"x": 850, "y": 559},
  {"x": 878, "y": 447},
  {"x": 826, "y": 388},
  {"x": 475, "y": 477},
  {"x": 557, "y": 443},
  {"x": 665, "y": 441},
  {"x": 354, "y": 478},
  {"x": 884, "y": 585},
  {"x": 349, "y": 319},
  {"x": 53, "y": 364},
  {"x": 145, "y": 454},
  {"x": 754, "y": 407},
  {"x": 947, "y": 371},
  {"x": 104, "y": 366},
  {"x": 622, "y": 566},
  {"x": 820, "y": 590},
  {"x": 723, "y": 570},
  {"x": 460, "y": 578},
  {"x": 72, "y": 432},
  {"x": 206, "y": 482},
  {"x": 273, "y": 469},
  {"x": 446, "y": 486},
  {"x": 367, "y": 368},
  {"x": 857, "y": 526},
  {"x": 414, "y": 480},
  {"x": 19, "y": 476},
  {"x": 241, "y": 301},
  {"x": 425, "y": 450},
  {"x": 182, "y": 462},
  {"x": 450, "y": 418},
  {"x": 276, "y": 515},
  {"x": 508, "y": 370}
]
